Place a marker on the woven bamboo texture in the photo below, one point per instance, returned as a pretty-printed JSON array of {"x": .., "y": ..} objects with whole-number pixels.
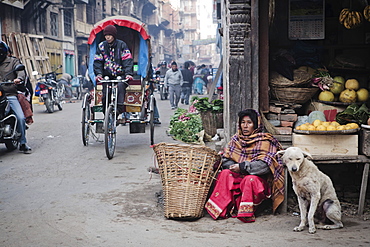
[
  {"x": 301, "y": 78},
  {"x": 187, "y": 174},
  {"x": 212, "y": 121},
  {"x": 293, "y": 94}
]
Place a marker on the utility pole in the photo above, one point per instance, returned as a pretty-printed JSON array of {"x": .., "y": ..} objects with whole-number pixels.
[{"x": 173, "y": 38}]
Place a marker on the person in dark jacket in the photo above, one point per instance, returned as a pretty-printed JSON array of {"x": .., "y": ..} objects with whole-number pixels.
[
  {"x": 187, "y": 85},
  {"x": 7, "y": 64},
  {"x": 113, "y": 58}
]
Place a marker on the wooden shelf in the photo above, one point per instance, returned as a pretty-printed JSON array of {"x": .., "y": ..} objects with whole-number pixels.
[{"x": 354, "y": 70}]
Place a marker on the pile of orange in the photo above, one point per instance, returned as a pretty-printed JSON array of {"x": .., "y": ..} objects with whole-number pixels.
[{"x": 319, "y": 125}]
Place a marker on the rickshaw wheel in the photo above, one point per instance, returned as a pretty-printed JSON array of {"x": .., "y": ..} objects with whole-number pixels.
[
  {"x": 85, "y": 122},
  {"x": 110, "y": 132},
  {"x": 151, "y": 120}
]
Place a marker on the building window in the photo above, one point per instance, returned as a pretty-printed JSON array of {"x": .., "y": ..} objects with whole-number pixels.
[
  {"x": 42, "y": 21},
  {"x": 80, "y": 12},
  {"x": 54, "y": 24},
  {"x": 90, "y": 14},
  {"x": 67, "y": 23}
]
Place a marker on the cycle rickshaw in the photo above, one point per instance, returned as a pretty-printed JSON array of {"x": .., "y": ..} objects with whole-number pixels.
[{"x": 139, "y": 100}]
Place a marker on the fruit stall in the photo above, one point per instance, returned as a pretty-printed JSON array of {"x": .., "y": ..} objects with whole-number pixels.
[
  {"x": 319, "y": 72},
  {"x": 319, "y": 80}
]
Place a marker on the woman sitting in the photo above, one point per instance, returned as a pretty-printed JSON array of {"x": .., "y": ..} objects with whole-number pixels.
[{"x": 251, "y": 172}]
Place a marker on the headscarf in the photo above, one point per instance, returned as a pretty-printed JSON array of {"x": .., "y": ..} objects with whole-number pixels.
[{"x": 260, "y": 146}]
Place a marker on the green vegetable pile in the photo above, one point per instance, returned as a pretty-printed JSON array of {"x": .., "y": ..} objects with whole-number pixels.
[
  {"x": 354, "y": 113},
  {"x": 202, "y": 105},
  {"x": 184, "y": 126}
]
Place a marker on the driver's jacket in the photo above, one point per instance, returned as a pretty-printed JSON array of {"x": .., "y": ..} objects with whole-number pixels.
[{"x": 113, "y": 60}]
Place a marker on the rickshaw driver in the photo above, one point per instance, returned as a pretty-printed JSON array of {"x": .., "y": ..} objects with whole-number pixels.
[{"x": 113, "y": 58}]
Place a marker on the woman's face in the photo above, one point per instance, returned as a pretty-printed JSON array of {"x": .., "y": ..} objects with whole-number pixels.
[{"x": 247, "y": 126}]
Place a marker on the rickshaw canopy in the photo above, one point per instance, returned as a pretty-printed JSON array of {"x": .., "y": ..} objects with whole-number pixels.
[{"x": 132, "y": 32}]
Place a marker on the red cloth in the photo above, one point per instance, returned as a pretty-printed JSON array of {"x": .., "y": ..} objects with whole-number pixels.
[
  {"x": 237, "y": 196},
  {"x": 26, "y": 108}
]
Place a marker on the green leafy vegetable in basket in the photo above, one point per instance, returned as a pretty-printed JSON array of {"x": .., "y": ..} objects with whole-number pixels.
[
  {"x": 185, "y": 126},
  {"x": 217, "y": 105}
]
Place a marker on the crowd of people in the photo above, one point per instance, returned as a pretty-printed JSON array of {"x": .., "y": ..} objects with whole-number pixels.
[{"x": 181, "y": 83}]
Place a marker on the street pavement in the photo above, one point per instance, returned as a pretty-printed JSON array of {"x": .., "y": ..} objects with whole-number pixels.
[{"x": 67, "y": 194}]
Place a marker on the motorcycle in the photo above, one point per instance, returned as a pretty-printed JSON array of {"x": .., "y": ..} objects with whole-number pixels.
[
  {"x": 50, "y": 91},
  {"x": 8, "y": 120},
  {"x": 163, "y": 91}
]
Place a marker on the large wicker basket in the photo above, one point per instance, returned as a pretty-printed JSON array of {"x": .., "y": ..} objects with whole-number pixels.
[
  {"x": 293, "y": 94},
  {"x": 187, "y": 172}
]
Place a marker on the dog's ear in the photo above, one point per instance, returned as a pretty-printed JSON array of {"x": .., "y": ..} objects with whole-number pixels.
[
  {"x": 281, "y": 152},
  {"x": 307, "y": 155}
]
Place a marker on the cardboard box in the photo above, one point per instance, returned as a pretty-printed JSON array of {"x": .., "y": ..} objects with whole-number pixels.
[
  {"x": 327, "y": 144},
  {"x": 330, "y": 111}
]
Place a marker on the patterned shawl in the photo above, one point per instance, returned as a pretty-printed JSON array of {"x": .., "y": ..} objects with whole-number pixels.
[{"x": 260, "y": 146}]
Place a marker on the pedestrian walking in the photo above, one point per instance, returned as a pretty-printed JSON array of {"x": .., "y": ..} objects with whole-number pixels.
[
  {"x": 173, "y": 80},
  {"x": 187, "y": 85}
]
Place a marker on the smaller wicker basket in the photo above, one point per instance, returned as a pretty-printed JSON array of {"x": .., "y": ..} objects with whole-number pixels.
[
  {"x": 187, "y": 172},
  {"x": 301, "y": 78},
  {"x": 293, "y": 94}
]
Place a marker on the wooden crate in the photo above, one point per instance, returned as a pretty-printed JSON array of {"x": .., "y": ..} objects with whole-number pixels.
[
  {"x": 365, "y": 142},
  {"x": 31, "y": 51},
  {"x": 327, "y": 144}
]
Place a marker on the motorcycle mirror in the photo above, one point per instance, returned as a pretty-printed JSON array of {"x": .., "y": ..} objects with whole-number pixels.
[
  {"x": 19, "y": 67},
  {"x": 157, "y": 72},
  {"x": 60, "y": 66},
  {"x": 34, "y": 73}
]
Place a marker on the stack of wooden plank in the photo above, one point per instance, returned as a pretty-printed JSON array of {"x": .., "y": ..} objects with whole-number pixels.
[{"x": 31, "y": 50}]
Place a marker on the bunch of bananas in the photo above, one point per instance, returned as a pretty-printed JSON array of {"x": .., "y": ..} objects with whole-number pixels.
[
  {"x": 367, "y": 12},
  {"x": 350, "y": 18}
]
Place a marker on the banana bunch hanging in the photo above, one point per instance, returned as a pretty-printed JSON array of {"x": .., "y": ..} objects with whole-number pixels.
[{"x": 350, "y": 18}]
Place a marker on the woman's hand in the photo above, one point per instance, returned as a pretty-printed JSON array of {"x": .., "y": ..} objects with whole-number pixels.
[{"x": 235, "y": 168}]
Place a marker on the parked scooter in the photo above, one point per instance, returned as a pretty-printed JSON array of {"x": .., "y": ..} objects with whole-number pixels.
[
  {"x": 77, "y": 84},
  {"x": 8, "y": 120},
  {"x": 163, "y": 91},
  {"x": 50, "y": 91}
]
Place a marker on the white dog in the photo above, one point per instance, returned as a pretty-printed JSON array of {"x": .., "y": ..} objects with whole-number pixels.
[{"x": 314, "y": 190}]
